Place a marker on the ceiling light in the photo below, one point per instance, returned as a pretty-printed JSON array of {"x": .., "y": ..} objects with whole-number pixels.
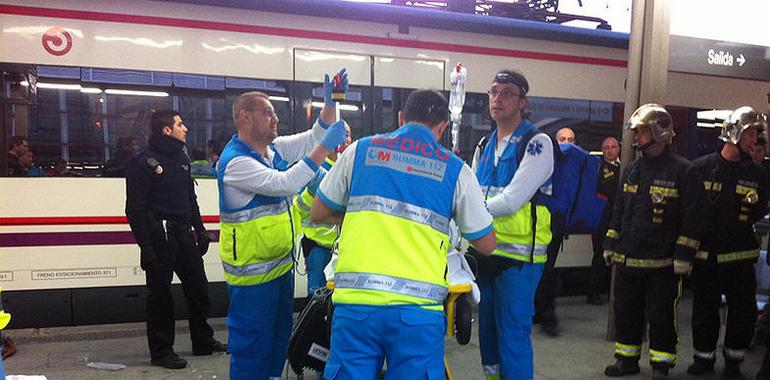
[{"x": 113, "y": 91}]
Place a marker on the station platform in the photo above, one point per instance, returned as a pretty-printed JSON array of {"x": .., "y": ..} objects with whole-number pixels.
[{"x": 581, "y": 352}]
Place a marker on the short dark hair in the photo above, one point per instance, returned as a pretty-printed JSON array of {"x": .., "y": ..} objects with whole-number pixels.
[
  {"x": 515, "y": 78},
  {"x": 15, "y": 141},
  {"x": 427, "y": 107},
  {"x": 198, "y": 153},
  {"x": 160, "y": 119}
]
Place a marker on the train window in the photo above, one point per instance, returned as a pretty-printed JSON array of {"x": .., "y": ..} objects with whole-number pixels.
[{"x": 83, "y": 114}]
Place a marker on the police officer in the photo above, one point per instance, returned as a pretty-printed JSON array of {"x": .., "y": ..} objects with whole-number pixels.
[
  {"x": 609, "y": 173},
  {"x": 162, "y": 210},
  {"x": 509, "y": 277},
  {"x": 652, "y": 240},
  {"x": 397, "y": 193},
  {"x": 737, "y": 193},
  {"x": 319, "y": 238},
  {"x": 256, "y": 179}
]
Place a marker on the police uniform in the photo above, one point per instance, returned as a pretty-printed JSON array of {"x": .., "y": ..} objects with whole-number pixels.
[
  {"x": 162, "y": 210},
  {"x": 399, "y": 192},
  {"x": 736, "y": 197},
  {"x": 609, "y": 175},
  {"x": 319, "y": 238},
  {"x": 258, "y": 232},
  {"x": 653, "y": 223},
  {"x": 523, "y": 231}
]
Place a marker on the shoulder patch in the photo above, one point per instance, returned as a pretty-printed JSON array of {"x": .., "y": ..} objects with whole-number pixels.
[
  {"x": 534, "y": 147},
  {"x": 154, "y": 165}
]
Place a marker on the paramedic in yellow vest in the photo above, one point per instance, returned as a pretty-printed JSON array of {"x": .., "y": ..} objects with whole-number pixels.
[
  {"x": 319, "y": 238},
  {"x": 4, "y": 319},
  {"x": 256, "y": 179},
  {"x": 395, "y": 195},
  {"x": 509, "y": 277}
]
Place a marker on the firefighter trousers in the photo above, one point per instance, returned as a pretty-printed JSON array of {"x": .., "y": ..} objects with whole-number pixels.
[
  {"x": 737, "y": 280},
  {"x": 651, "y": 295}
]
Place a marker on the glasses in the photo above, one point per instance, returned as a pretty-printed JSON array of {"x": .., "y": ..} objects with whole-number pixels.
[
  {"x": 267, "y": 112},
  {"x": 506, "y": 93}
]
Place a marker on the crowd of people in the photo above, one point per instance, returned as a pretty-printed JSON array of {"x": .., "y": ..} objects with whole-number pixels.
[{"x": 389, "y": 203}]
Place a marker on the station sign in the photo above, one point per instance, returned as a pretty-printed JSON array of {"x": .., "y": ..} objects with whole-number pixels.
[{"x": 719, "y": 58}]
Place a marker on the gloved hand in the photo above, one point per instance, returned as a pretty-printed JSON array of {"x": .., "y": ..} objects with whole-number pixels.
[
  {"x": 329, "y": 86},
  {"x": 607, "y": 254},
  {"x": 312, "y": 186},
  {"x": 147, "y": 258},
  {"x": 682, "y": 267},
  {"x": 335, "y": 135},
  {"x": 203, "y": 241}
]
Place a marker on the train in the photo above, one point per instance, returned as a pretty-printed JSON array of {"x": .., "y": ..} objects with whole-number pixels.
[{"x": 79, "y": 75}]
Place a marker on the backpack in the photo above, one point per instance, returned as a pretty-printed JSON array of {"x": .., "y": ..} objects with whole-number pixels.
[{"x": 575, "y": 175}]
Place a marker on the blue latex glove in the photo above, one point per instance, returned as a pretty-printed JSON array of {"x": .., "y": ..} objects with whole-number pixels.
[
  {"x": 335, "y": 135},
  {"x": 329, "y": 86},
  {"x": 312, "y": 186}
]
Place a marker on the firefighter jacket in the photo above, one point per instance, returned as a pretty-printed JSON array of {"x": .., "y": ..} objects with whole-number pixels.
[
  {"x": 735, "y": 197},
  {"x": 655, "y": 216}
]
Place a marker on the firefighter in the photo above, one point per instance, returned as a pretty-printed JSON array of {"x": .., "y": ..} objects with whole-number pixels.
[
  {"x": 736, "y": 196},
  {"x": 651, "y": 239}
]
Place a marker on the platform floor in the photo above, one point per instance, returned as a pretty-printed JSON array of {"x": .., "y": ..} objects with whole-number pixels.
[{"x": 581, "y": 352}]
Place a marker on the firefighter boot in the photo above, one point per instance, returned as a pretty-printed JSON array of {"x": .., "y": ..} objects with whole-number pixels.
[
  {"x": 732, "y": 369},
  {"x": 701, "y": 366},
  {"x": 660, "y": 372},
  {"x": 623, "y": 367}
]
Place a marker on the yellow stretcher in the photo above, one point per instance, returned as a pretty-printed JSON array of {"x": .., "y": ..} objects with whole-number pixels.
[{"x": 457, "y": 308}]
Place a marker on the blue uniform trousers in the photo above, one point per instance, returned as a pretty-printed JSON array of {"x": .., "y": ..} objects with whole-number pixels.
[
  {"x": 505, "y": 321},
  {"x": 315, "y": 262},
  {"x": 410, "y": 338},
  {"x": 259, "y": 323}
]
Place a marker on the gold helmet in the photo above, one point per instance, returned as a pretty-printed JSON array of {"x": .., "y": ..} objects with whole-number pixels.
[
  {"x": 655, "y": 117},
  {"x": 740, "y": 120}
]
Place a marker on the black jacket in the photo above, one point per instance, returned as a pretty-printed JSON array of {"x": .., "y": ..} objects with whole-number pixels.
[
  {"x": 734, "y": 198},
  {"x": 609, "y": 175},
  {"x": 159, "y": 187},
  {"x": 655, "y": 216}
]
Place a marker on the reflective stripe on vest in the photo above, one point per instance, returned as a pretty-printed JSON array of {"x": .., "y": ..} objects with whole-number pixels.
[
  {"x": 256, "y": 268},
  {"x": 403, "y": 286},
  {"x": 399, "y": 209},
  {"x": 251, "y": 214},
  {"x": 522, "y": 249}
]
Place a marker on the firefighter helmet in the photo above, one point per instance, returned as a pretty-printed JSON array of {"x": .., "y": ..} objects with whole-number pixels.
[
  {"x": 655, "y": 117},
  {"x": 740, "y": 120}
]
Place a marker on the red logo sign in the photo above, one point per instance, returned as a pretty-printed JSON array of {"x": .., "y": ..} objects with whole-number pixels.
[{"x": 57, "y": 41}]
